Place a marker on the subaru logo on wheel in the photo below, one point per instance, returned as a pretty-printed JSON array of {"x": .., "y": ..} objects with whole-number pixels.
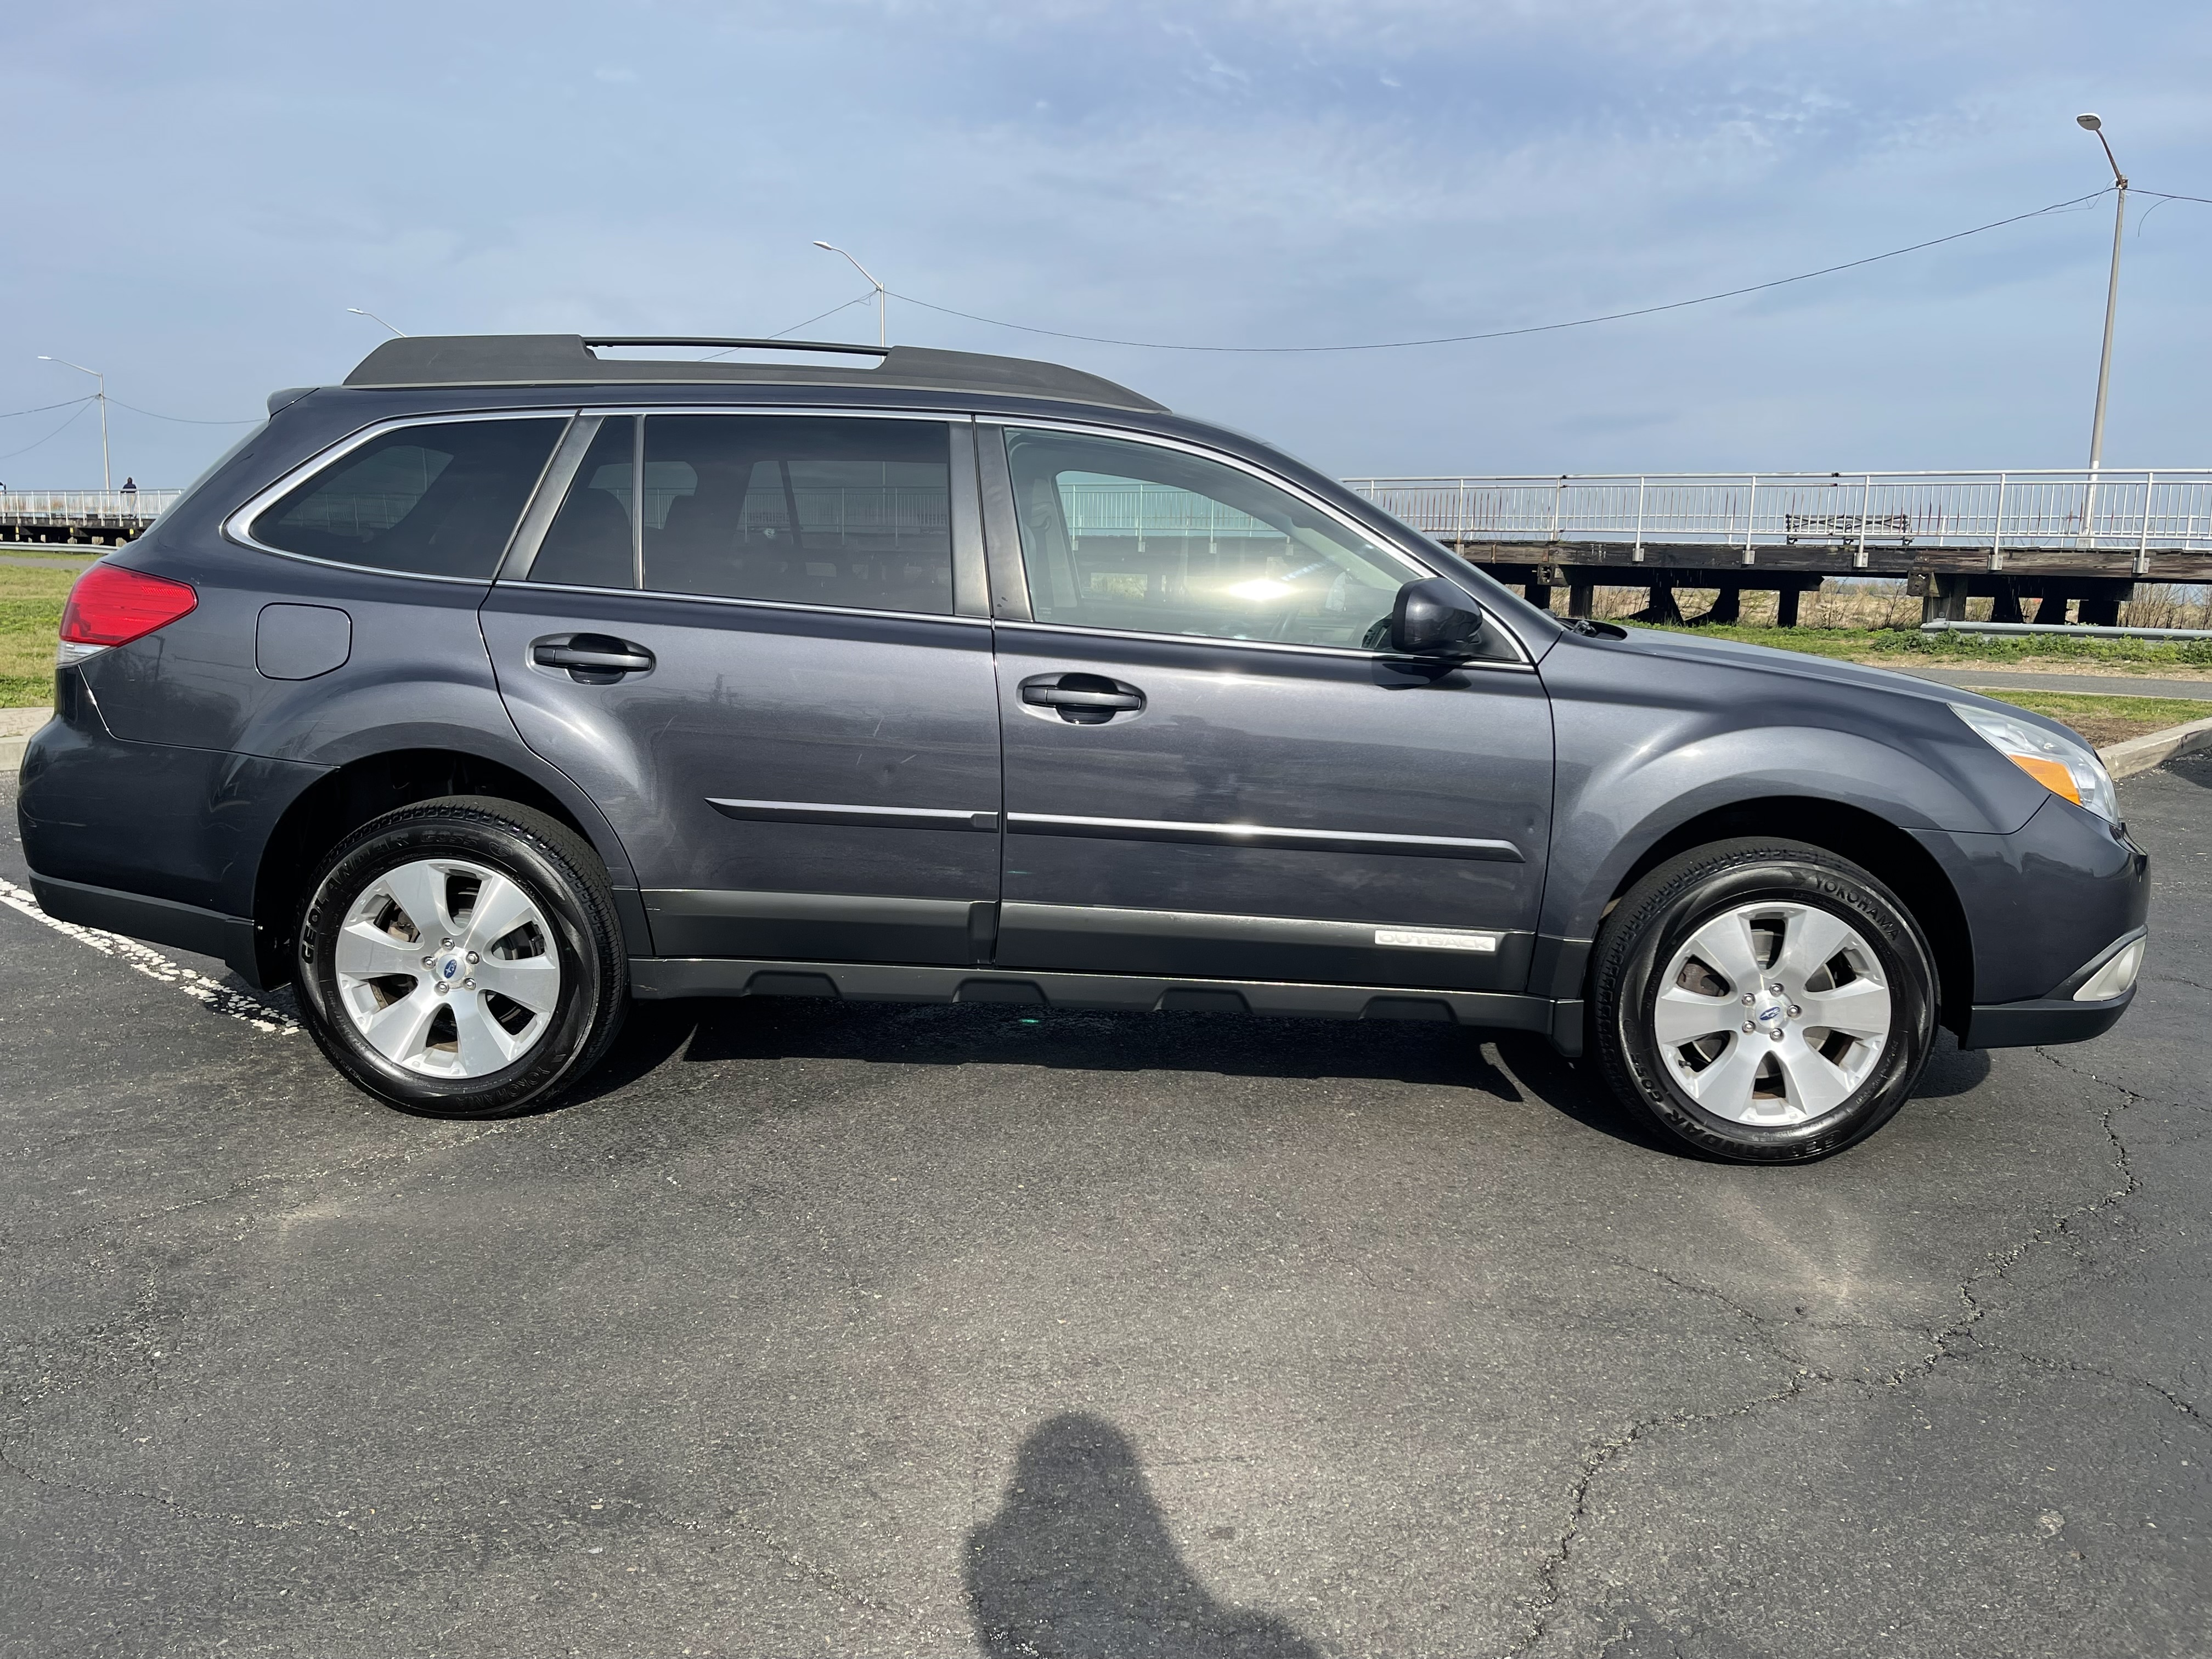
[
  {"x": 1767, "y": 1015},
  {"x": 451, "y": 967}
]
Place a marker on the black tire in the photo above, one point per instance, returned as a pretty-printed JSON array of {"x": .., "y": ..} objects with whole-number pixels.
[
  {"x": 560, "y": 874},
  {"x": 1659, "y": 916}
]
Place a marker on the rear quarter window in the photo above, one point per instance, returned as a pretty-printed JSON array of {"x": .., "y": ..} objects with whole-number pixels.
[{"x": 436, "y": 500}]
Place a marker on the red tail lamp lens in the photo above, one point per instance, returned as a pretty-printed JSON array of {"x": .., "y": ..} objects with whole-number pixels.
[{"x": 111, "y": 605}]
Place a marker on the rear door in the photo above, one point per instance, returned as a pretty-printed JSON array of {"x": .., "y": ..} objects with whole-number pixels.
[
  {"x": 1213, "y": 767},
  {"x": 742, "y": 634}
]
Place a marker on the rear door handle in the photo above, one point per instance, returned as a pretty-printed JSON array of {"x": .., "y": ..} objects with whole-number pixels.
[
  {"x": 1082, "y": 699},
  {"x": 592, "y": 659}
]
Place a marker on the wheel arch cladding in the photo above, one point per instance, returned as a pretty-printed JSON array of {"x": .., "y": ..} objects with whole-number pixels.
[
  {"x": 1880, "y": 848},
  {"x": 344, "y": 799}
]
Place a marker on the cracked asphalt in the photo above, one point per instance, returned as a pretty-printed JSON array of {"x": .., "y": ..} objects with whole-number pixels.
[{"x": 828, "y": 1329}]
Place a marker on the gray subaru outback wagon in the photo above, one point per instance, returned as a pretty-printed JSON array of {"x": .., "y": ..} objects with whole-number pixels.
[{"x": 508, "y": 683}]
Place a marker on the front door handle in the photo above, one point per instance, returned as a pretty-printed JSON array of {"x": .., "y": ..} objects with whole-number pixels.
[
  {"x": 592, "y": 659},
  {"x": 1082, "y": 699}
]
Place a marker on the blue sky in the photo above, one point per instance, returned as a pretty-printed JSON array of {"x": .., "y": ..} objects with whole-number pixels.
[{"x": 197, "y": 193}]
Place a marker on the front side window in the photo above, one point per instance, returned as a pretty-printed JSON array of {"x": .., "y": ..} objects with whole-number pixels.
[
  {"x": 436, "y": 500},
  {"x": 801, "y": 508},
  {"x": 1142, "y": 539}
]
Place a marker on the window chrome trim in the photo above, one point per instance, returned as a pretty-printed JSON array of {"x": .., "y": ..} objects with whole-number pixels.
[
  {"x": 1265, "y": 835},
  {"x": 662, "y": 595},
  {"x": 1289, "y": 487},
  {"x": 1486, "y": 665},
  {"x": 236, "y": 526}
]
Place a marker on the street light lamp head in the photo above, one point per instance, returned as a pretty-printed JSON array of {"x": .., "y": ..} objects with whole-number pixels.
[
  {"x": 825, "y": 245},
  {"x": 2089, "y": 123}
]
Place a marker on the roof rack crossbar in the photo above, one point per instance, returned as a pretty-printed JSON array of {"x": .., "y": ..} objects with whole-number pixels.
[{"x": 712, "y": 340}]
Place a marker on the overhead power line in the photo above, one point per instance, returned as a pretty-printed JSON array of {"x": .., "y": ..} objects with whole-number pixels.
[
  {"x": 1539, "y": 328},
  {"x": 181, "y": 420},
  {"x": 43, "y": 407},
  {"x": 67, "y": 422}
]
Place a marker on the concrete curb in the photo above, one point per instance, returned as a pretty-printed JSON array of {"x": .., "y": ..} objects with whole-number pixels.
[
  {"x": 16, "y": 725},
  {"x": 2125, "y": 760}
]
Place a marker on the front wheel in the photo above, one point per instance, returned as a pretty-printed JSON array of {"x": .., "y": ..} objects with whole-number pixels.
[
  {"x": 1764, "y": 1002},
  {"x": 461, "y": 958}
]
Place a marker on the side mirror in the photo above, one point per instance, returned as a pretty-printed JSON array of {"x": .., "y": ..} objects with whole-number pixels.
[{"x": 1433, "y": 618}]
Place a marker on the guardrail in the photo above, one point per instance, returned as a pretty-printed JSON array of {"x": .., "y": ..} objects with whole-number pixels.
[
  {"x": 66, "y": 506},
  {"x": 2095, "y": 630},
  {"x": 2141, "y": 512}
]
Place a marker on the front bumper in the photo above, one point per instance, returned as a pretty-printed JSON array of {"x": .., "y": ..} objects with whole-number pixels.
[
  {"x": 2040, "y": 1021},
  {"x": 2044, "y": 907}
]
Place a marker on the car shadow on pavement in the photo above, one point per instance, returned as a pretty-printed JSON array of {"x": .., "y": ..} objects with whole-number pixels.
[
  {"x": 1510, "y": 1066},
  {"x": 1502, "y": 1066},
  {"x": 1079, "y": 1561}
]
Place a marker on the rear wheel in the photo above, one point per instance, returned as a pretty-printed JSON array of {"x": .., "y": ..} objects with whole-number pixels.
[
  {"x": 461, "y": 958},
  {"x": 1764, "y": 1002}
]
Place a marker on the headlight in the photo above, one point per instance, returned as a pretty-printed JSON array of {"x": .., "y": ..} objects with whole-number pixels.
[{"x": 2063, "y": 765}]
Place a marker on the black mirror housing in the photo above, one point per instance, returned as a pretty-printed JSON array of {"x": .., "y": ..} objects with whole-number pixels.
[{"x": 1434, "y": 619}]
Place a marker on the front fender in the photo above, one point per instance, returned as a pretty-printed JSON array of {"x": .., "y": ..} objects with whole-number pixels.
[{"x": 1647, "y": 743}]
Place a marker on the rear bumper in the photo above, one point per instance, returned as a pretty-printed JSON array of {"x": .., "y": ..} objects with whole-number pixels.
[
  {"x": 2043, "y": 1020},
  {"x": 155, "y": 921}
]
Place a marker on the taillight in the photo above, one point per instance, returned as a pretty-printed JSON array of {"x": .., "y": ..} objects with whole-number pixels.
[{"x": 111, "y": 605}]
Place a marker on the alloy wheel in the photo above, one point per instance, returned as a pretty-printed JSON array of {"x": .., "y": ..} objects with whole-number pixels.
[
  {"x": 1773, "y": 1014},
  {"x": 448, "y": 968}
]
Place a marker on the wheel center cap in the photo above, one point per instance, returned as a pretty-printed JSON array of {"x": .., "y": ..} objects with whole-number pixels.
[
  {"x": 448, "y": 969},
  {"x": 1773, "y": 1016}
]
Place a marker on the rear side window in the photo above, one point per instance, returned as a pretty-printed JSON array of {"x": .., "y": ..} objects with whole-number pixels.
[
  {"x": 805, "y": 509},
  {"x": 592, "y": 541},
  {"x": 437, "y": 499}
]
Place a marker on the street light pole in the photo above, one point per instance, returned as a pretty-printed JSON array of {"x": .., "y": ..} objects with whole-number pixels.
[
  {"x": 106, "y": 475},
  {"x": 2093, "y": 124},
  {"x": 883, "y": 325}
]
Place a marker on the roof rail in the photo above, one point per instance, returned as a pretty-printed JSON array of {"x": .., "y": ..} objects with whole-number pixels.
[
  {"x": 487, "y": 359},
  {"x": 710, "y": 340}
]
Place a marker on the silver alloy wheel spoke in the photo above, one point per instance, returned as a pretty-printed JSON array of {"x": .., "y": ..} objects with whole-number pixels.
[
  {"x": 532, "y": 981},
  {"x": 499, "y": 909},
  {"x": 1684, "y": 1015},
  {"x": 490, "y": 970},
  {"x": 1860, "y": 1009},
  {"x": 1809, "y": 940},
  {"x": 366, "y": 951},
  {"x": 419, "y": 889},
  {"x": 1814, "y": 1083},
  {"x": 1803, "y": 1019}
]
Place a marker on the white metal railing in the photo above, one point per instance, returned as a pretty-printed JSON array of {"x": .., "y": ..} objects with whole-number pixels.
[
  {"x": 1162, "y": 510},
  {"x": 2144, "y": 512},
  {"x": 86, "y": 506}
]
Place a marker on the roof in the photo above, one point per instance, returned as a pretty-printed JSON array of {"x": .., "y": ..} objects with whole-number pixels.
[{"x": 473, "y": 360}]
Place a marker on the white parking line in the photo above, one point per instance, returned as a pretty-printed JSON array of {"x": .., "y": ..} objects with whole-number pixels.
[{"x": 239, "y": 1005}]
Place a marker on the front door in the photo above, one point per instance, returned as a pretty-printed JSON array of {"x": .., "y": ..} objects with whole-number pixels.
[
  {"x": 738, "y": 635},
  {"x": 1212, "y": 769}
]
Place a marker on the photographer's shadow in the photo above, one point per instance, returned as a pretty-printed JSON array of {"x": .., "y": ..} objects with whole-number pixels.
[{"x": 1077, "y": 1564}]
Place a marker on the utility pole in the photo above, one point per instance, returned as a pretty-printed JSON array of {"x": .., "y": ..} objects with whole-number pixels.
[
  {"x": 106, "y": 475},
  {"x": 883, "y": 325},
  {"x": 2094, "y": 124}
]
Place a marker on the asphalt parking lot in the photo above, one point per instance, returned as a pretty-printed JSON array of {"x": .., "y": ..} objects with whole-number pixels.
[{"x": 862, "y": 1329}]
